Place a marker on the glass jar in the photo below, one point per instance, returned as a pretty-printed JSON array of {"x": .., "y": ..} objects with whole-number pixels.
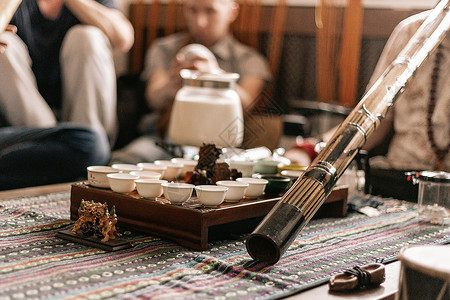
[
  {"x": 434, "y": 196},
  {"x": 207, "y": 109}
]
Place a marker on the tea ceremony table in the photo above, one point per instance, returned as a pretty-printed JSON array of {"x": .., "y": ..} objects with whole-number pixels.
[{"x": 35, "y": 264}]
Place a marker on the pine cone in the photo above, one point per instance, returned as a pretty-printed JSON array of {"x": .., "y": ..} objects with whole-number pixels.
[
  {"x": 235, "y": 174},
  {"x": 195, "y": 178},
  {"x": 208, "y": 154},
  {"x": 221, "y": 171}
]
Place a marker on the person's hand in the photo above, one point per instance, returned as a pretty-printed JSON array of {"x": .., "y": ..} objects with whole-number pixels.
[
  {"x": 204, "y": 65},
  {"x": 198, "y": 57},
  {"x": 193, "y": 62},
  {"x": 176, "y": 66},
  {"x": 3, "y": 44},
  {"x": 198, "y": 62}
]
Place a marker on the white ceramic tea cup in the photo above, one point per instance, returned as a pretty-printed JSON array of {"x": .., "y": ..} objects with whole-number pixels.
[
  {"x": 188, "y": 165},
  {"x": 211, "y": 195},
  {"x": 122, "y": 182},
  {"x": 152, "y": 167},
  {"x": 266, "y": 166},
  {"x": 149, "y": 188},
  {"x": 146, "y": 174},
  {"x": 173, "y": 170},
  {"x": 97, "y": 175},
  {"x": 177, "y": 193},
  {"x": 256, "y": 186},
  {"x": 246, "y": 167},
  {"x": 126, "y": 168},
  {"x": 236, "y": 190}
]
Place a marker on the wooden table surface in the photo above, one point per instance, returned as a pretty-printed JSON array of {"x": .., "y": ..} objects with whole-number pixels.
[{"x": 386, "y": 290}]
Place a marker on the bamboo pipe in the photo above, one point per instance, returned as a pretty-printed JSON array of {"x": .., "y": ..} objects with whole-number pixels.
[
  {"x": 272, "y": 237},
  {"x": 7, "y": 10}
]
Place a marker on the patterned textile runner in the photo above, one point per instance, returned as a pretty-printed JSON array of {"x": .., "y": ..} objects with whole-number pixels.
[{"x": 34, "y": 264}]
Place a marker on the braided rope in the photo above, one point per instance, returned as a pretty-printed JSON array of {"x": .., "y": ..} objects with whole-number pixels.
[{"x": 364, "y": 277}]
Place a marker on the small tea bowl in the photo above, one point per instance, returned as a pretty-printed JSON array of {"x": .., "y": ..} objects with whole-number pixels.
[
  {"x": 236, "y": 190},
  {"x": 122, "y": 182},
  {"x": 211, "y": 195},
  {"x": 177, "y": 193},
  {"x": 188, "y": 165},
  {"x": 149, "y": 188},
  {"x": 152, "y": 167},
  {"x": 277, "y": 184},
  {"x": 173, "y": 169},
  {"x": 292, "y": 174},
  {"x": 146, "y": 174},
  {"x": 97, "y": 175},
  {"x": 255, "y": 187},
  {"x": 266, "y": 166},
  {"x": 126, "y": 168},
  {"x": 245, "y": 167}
]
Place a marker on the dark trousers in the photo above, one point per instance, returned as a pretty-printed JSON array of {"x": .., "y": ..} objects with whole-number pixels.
[{"x": 39, "y": 156}]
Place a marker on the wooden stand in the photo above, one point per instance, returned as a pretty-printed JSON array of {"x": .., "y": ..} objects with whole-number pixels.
[
  {"x": 191, "y": 225},
  {"x": 111, "y": 245}
]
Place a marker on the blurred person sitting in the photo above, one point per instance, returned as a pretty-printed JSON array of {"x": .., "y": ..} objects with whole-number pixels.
[
  {"x": 208, "y": 23},
  {"x": 420, "y": 118},
  {"x": 31, "y": 156},
  {"x": 59, "y": 66}
]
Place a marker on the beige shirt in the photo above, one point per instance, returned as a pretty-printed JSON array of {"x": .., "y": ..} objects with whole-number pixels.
[
  {"x": 231, "y": 55},
  {"x": 410, "y": 148}
]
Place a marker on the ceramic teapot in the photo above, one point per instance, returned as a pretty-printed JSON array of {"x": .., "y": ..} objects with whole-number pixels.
[{"x": 207, "y": 109}]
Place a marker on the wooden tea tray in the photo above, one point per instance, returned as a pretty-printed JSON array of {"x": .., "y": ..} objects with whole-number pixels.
[{"x": 191, "y": 225}]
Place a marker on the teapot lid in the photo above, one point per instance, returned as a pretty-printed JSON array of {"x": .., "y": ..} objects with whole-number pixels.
[
  {"x": 213, "y": 80},
  {"x": 435, "y": 176}
]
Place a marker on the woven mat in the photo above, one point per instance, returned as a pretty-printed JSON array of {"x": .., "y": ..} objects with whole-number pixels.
[{"x": 34, "y": 264}]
